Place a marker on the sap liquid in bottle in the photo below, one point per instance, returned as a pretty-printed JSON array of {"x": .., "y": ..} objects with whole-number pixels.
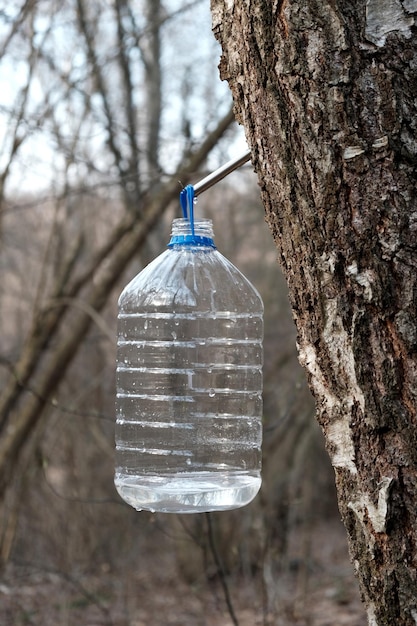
[{"x": 189, "y": 380}]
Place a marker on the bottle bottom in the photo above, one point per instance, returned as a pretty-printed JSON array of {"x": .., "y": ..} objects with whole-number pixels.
[{"x": 188, "y": 492}]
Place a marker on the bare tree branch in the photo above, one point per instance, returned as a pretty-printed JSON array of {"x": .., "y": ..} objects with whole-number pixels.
[
  {"x": 131, "y": 112},
  {"x": 47, "y": 369},
  {"x": 153, "y": 79},
  {"x": 98, "y": 77}
]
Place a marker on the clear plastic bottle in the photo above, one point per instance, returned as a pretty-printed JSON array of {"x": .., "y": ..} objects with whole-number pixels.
[{"x": 189, "y": 381}]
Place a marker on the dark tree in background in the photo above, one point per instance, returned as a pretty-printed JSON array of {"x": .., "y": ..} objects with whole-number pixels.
[
  {"x": 326, "y": 91},
  {"x": 89, "y": 84}
]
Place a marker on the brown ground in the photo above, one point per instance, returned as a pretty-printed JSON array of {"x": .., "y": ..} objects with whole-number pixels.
[{"x": 320, "y": 593}]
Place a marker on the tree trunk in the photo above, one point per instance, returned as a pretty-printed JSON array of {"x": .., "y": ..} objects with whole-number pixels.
[{"x": 326, "y": 93}]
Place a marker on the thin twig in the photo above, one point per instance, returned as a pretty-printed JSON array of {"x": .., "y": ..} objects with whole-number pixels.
[
  {"x": 220, "y": 570},
  {"x": 75, "y": 582}
]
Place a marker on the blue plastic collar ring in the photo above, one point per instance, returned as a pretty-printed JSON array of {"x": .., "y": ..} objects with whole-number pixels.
[{"x": 191, "y": 240}]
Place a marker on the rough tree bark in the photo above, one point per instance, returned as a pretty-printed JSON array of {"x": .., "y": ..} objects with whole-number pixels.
[{"x": 326, "y": 92}]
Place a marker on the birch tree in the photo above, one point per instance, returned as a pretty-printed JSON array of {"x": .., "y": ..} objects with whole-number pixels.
[{"x": 326, "y": 92}]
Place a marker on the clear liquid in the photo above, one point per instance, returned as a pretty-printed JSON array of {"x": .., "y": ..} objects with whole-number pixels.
[
  {"x": 188, "y": 429},
  {"x": 188, "y": 492}
]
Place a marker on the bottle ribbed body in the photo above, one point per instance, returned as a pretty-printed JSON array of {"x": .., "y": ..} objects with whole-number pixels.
[{"x": 189, "y": 381}]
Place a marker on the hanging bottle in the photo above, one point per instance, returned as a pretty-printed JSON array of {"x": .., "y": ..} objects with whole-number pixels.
[{"x": 189, "y": 380}]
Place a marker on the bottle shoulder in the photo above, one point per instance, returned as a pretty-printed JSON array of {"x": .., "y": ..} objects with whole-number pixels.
[{"x": 195, "y": 278}]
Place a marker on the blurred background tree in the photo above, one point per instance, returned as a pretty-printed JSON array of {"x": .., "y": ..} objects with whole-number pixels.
[
  {"x": 106, "y": 106},
  {"x": 88, "y": 110}
]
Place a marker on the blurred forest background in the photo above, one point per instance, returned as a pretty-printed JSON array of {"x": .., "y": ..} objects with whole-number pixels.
[{"x": 105, "y": 105}]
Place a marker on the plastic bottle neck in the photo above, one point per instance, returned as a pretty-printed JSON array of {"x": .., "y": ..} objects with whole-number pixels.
[{"x": 181, "y": 234}]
